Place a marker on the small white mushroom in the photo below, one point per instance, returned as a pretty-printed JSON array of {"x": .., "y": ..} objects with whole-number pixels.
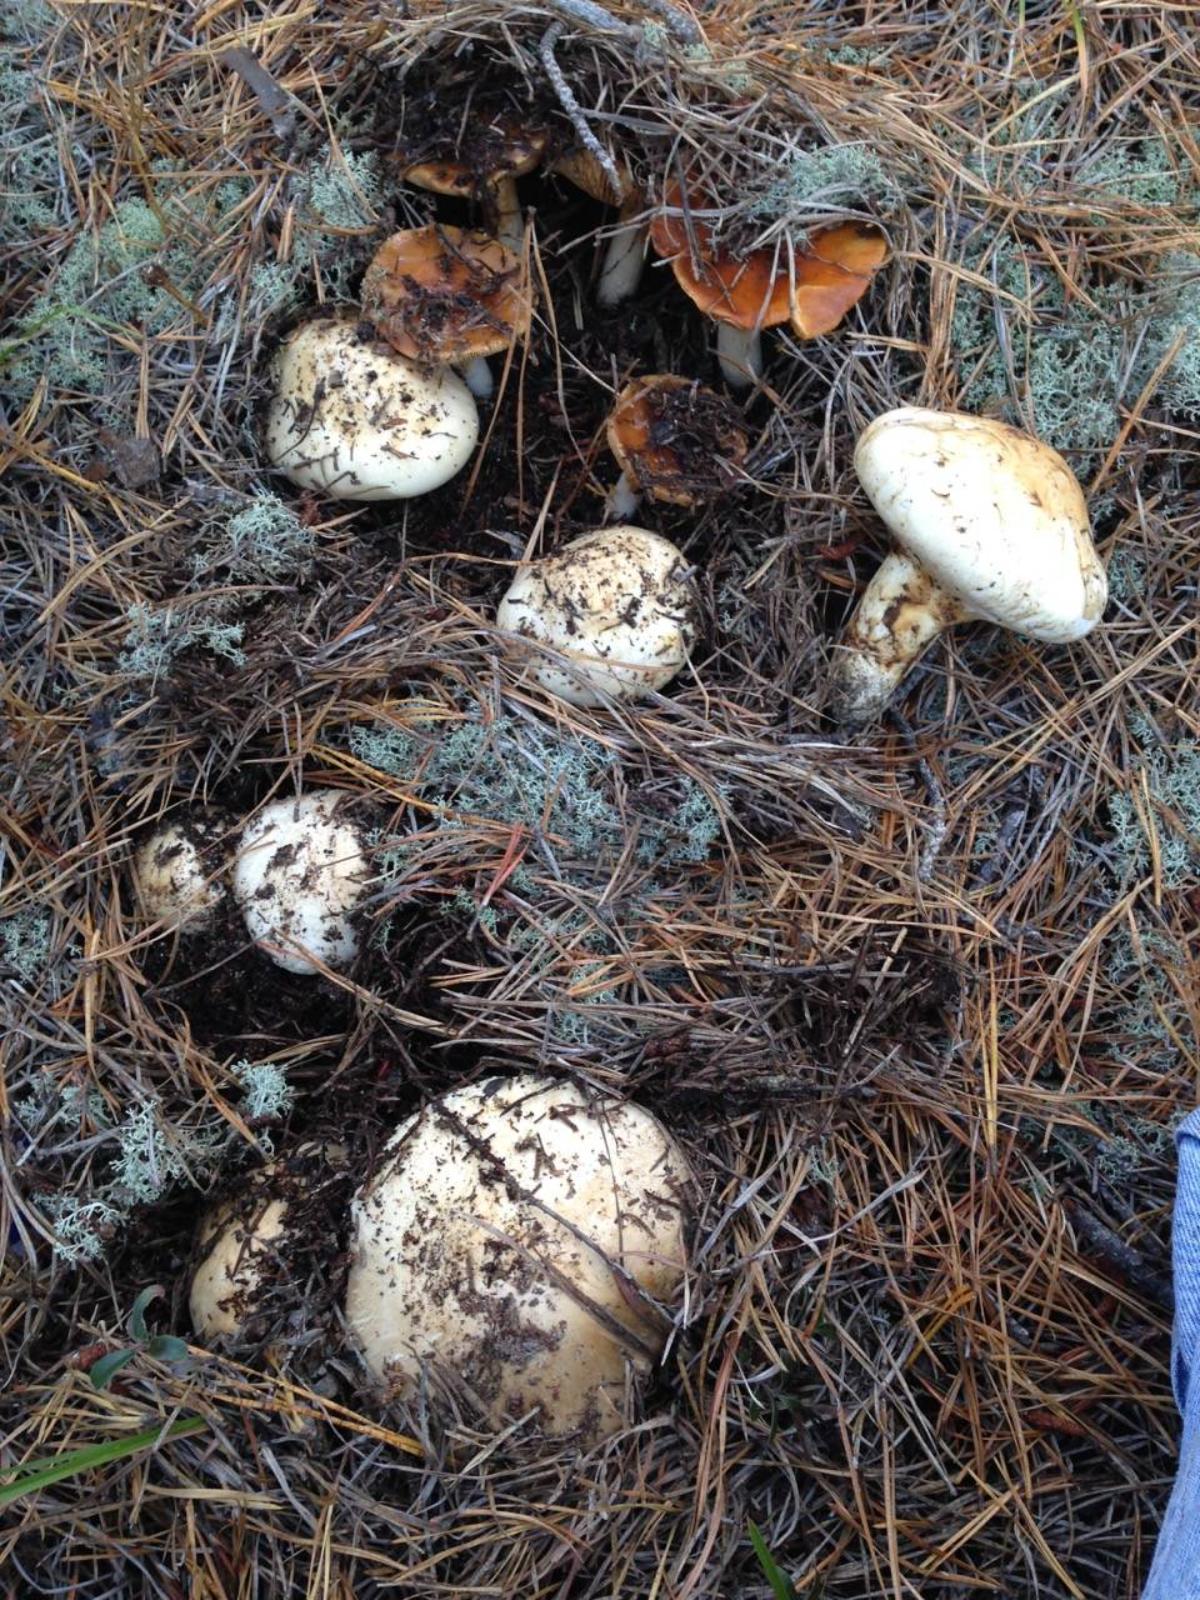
[
  {"x": 353, "y": 419},
  {"x": 244, "y": 1241},
  {"x": 506, "y": 1244},
  {"x": 992, "y": 526},
  {"x": 617, "y": 608},
  {"x": 239, "y": 1239},
  {"x": 301, "y": 871},
  {"x": 178, "y": 872}
]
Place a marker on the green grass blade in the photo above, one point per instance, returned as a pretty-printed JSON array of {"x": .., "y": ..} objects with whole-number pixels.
[
  {"x": 40, "y": 1474},
  {"x": 781, "y": 1584}
]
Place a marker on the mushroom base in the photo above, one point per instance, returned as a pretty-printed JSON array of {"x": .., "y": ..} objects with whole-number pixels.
[{"x": 901, "y": 613}]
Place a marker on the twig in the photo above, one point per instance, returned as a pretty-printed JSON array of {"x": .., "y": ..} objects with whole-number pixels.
[{"x": 572, "y": 107}]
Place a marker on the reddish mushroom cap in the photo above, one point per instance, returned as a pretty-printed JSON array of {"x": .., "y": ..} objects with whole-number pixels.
[
  {"x": 749, "y": 291},
  {"x": 755, "y": 290},
  {"x": 833, "y": 274},
  {"x": 444, "y": 295},
  {"x": 675, "y": 440}
]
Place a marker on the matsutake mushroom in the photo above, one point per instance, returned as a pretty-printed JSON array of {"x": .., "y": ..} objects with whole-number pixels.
[
  {"x": 351, "y": 418},
  {"x": 179, "y": 871},
  {"x": 445, "y": 296},
  {"x": 519, "y": 1244},
  {"x": 991, "y": 525},
  {"x": 300, "y": 875},
  {"x": 613, "y": 613},
  {"x": 247, "y": 1244}
]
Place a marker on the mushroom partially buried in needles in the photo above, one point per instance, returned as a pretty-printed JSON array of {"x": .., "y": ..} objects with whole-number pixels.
[
  {"x": 625, "y": 254},
  {"x": 479, "y": 158},
  {"x": 247, "y": 1245},
  {"x": 613, "y": 613},
  {"x": 179, "y": 871},
  {"x": 746, "y": 291},
  {"x": 991, "y": 525},
  {"x": 351, "y": 418},
  {"x": 300, "y": 875},
  {"x": 448, "y": 296},
  {"x": 518, "y": 1241},
  {"x": 675, "y": 441}
]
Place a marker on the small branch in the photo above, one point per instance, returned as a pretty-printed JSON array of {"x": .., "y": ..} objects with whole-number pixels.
[{"x": 571, "y": 106}]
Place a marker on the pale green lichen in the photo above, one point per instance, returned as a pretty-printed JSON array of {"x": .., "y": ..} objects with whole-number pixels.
[
  {"x": 267, "y": 1095},
  {"x": 1065, "y": 365},
  {"x": 263, "y": 541},
  {"x": 1146, "y": 172},
  {"x": 341, "y": 190},
  {"x": 844, "y": 177},
  {"x": 1171, "y": 776},
  {"x": 102, "y": 286},
  {"x": 152, "y": 1156},
  {"x": 156, "y": 636},
  {"x": 519, "y": 772},
  {"x": 1126, "y": 575},
  {"x": 26, "y": 943}
]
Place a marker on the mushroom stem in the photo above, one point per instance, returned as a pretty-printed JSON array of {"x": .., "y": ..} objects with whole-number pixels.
[
  {"x": 624, "y": 258},
  {"x": 623, "y": 500},
  {"x": 902, "y": 611},
  {"x": 739, "y": 351},
  {"x": 477, "y": 376},
  {"x": 510, "y": 224}
]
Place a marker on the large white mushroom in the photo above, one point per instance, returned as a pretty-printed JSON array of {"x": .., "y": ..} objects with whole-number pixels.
[
  {"x": 991, "y": 525},
  {"x": 300, "y": 874},
  {"x": 179, "y": 872},
  {"x": 616, "y": 607},
  {"x": 514, "y": 1242},
  {"x": 353, "y": 419}
]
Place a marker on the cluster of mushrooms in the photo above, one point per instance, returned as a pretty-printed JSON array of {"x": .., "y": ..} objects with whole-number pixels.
[
  {"x": 518, "y": 1242},
  {"x": 990, "y": 523}
]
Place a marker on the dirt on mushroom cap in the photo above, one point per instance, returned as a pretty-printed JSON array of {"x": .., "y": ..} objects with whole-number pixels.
[
  {"x": 443, "y": 295},
  {"x": 676, "y": 440}
]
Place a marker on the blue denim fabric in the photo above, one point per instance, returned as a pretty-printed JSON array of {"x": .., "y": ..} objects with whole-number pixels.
[{"x": 1175, "y": 1573}]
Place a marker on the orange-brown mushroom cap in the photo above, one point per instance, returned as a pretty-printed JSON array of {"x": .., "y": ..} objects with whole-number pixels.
[
  {"x": 444, "y": 295},
  {"x": 580, "y": 167},
  {"x": 504, "y": 148},
  {"x": 675, "y": 440},
  {"x": 832, "y": 274},
  {"x": 761, "y": 289},
  {"x": 749, "y": 291}
]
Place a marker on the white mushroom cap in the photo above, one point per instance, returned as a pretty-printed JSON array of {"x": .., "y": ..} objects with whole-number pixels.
[
  {"x": 299, "y": 875},
  {"x": 994, "y": 515},
  {"x": 353, "y": 419},
  {"x": 618, "y": 603},
  {"x": 173, "y": 874},
  {"x": 490, "y": 1243},
  {"x": 241, "y": 1239}
]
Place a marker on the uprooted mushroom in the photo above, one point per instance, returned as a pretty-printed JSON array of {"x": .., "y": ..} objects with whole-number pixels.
[{"x": 991, "y": 526}]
